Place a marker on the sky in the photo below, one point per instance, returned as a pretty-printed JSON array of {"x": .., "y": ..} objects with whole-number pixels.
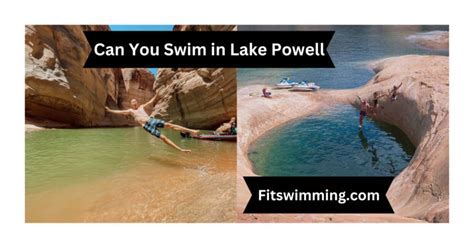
[{"x": 142, "y": 28}]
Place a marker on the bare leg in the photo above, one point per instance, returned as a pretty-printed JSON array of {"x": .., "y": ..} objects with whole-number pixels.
[
  {"x": 180, "y": 128},
  {"x": 361, "y": 120},
  {"x": 374, "y": 110},
  {"x": 170, "y": 143}
]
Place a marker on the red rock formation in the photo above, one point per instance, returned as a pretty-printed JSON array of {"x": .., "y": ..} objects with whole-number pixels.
[
  {"x": 200, "y": 98},
  {"x": 137, "y": 84},
  {"x": 59, "y": 91}
]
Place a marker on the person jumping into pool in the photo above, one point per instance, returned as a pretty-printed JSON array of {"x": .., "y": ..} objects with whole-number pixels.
[
  {"x": 364, "y": 107},
  {"x": 394, "y": 92},
  {"x": 375, "y": 105},
  {"x": 151, "y": 124}
]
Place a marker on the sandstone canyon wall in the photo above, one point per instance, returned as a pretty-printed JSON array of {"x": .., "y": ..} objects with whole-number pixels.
[
  {"x": 201, "y": 98},
  {"x": 137, "y": 84},
  {"x": 60, "y": 92}
]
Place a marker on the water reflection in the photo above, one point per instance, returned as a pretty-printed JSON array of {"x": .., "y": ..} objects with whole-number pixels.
[{"x": 369, "y": 148}]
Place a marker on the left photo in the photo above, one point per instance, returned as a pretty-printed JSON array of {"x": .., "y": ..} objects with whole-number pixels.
[{"x": 125, "y": 144}]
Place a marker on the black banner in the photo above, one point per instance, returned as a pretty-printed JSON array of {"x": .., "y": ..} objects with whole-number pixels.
[
  {"x": 318, "y": 195},
  {"x": 240, "y": 49}
]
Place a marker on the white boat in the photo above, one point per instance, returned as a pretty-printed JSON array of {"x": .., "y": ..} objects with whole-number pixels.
[
  {"x": 305, "y": 86},
  {"x": 285, "y": 84}
]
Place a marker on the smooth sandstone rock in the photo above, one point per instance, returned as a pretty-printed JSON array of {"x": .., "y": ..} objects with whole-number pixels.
[{"x": 422, "y": 112}]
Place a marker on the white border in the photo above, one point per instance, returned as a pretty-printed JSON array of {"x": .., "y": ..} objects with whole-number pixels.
[{"x": 18, "y": 13}]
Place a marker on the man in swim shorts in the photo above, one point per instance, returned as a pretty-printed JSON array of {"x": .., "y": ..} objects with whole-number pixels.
[
  {"x": 150, "y": 123},
  {"x": 364, "y": 107}
]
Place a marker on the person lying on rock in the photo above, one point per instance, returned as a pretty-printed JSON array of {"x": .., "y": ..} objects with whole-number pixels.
[
  {"x": 394, "y": 92},
  {"x": 364, "y": 107},
  {"x": 266, "y": 93},
  {"x": 150, "y": 123},
  {"x": 226, "y": 128}
]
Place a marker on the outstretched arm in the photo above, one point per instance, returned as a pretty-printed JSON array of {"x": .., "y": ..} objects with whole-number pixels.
[
  {"x": 150, "y": 102},
  {"x": 120, "y": 112}
]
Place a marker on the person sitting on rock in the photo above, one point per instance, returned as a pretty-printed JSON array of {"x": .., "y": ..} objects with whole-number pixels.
[
  {"x": 394, "y": 92},
  {"x": 233, "y": 129},
  {"x": 150, "y": 123},
  {"x": 364, "y": 107},
  {"x": 225, "y": 128},
  {"x": 266, "y": 93}
]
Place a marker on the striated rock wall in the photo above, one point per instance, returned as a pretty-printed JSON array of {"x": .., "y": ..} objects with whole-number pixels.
[
  {"x": 201, "y": 98},
  {"x": 59, "y": 91},
  {"x": 137, "y": 84}
]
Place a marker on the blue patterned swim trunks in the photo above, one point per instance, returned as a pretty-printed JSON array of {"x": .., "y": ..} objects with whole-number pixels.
[{"x": 152, "y": 126}]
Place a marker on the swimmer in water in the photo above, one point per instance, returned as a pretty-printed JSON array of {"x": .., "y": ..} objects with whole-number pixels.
[{"x": 150, "y": 123}]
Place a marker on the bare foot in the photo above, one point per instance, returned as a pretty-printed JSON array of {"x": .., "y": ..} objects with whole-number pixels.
[
  {"x": 195, "y": 132},
  {"x": 186, "y": 150}
]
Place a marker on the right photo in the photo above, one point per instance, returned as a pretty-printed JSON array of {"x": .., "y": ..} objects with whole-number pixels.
[{"x": 383, "y": 111}]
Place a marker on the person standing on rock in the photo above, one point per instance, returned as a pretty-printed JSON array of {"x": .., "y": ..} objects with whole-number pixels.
[
  {"x": 394, "y": 92},
  {"x": 364, "y": 107},
  {"x": 151, "y": 124}
]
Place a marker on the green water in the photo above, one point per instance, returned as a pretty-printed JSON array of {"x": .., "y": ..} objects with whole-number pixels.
[
  {"x": 330, "y": 143},
  {"x": 125, "y": 174},
  {"x": 56, "y": 158}
]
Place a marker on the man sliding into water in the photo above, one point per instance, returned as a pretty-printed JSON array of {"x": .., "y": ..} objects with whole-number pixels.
[{"x": 151, "y": 124}]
